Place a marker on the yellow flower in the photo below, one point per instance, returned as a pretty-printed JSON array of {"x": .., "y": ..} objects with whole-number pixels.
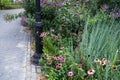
[
  {"x": 96, "y": 60},
  {"x": 103, "y": 62},
  {"x": 114, "y": 67}
]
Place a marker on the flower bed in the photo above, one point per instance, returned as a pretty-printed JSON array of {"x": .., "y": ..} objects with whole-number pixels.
[
  {"x": 94, "y": 57},
  {"x": 81, "y": 39}
]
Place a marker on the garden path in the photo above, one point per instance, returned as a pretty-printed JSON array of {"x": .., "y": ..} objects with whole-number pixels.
[{"x": 13, "y": 48}]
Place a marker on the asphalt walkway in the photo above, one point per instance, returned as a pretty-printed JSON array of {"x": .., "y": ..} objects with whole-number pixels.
[{"x": 13, "y": 49}]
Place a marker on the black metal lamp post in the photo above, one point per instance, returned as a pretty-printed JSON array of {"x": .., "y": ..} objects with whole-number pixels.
[{"x": 38, "y": 31}]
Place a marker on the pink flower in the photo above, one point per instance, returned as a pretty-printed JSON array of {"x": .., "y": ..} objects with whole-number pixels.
[
  {"x": 56, "y": 58},
  {"x": 43, "y": 34},
  {"x": 49, "y": 63},
  {"x": 58, "y": 65},
  {"x": 70, "y": 73},
  {"x": 91, "y": 71},
  {"x": 61, "y": 58}
]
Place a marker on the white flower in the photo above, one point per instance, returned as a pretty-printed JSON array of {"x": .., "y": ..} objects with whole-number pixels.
[{"x": 91, "y": 71}]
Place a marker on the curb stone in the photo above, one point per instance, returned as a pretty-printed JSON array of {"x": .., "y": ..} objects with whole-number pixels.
[{"x": 32, "y": 71}]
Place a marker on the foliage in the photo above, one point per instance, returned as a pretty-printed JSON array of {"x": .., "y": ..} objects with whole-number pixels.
[
  {"x": 10, "y": 17},
  {"x": 8, "y": 4},
  {"x": 96, "y": 56},
  {"x": 29, "y": 6},
  {"x": 60, "y": 59},
  {"x": 95, "y": 5},
  {"x": 69, "y": 16},
  {"x": 102, "y": 43}
]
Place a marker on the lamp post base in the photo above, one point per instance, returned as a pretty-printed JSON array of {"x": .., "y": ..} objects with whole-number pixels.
[{"x": 35, "y": 59}]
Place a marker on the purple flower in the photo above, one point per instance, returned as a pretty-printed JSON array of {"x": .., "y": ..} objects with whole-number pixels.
[
  {"x": 60, "y": 4},
  {"x": 67, "y": 0},
  {"x": 43, "y": 2},
  {"x": 112, "y": 14},
  {"x": 119, "y": 13},
  {"x": 51, "y": 3},
  {"x": 105, "y": 6}
]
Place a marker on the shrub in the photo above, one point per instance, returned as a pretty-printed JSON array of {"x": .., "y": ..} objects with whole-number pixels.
[
  {"x": 8, "y": 4},
  {"x": 29, "y": 6}
]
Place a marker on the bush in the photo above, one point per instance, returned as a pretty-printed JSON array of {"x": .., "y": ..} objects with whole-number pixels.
[
  {"x": 29, "y": 6},
  {"x": 8, "y": 4}
]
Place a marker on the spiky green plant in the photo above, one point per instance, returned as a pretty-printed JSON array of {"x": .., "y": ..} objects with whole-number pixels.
[{"x": 101, "y": 41}]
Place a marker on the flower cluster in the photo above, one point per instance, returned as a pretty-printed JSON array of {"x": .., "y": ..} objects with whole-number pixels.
[
  {"x": 58, "y": 60},
  {"x": 52, "y": 3},
  {"x": 115, "y": 14},
  {"x": 102, "y": 62},
  {"x": 58, "y": 65},
  {"x": 112, "y": 14}
]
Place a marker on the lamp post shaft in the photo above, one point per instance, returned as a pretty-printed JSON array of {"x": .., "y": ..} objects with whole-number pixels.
[{"x": 38, "y": 31}]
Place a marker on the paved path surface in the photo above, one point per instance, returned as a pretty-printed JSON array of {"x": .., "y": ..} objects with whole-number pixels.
[{"x": 14, "y": 52}]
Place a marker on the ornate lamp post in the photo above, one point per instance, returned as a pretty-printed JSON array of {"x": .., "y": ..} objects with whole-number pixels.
[{"x": 38, "y": 31}]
